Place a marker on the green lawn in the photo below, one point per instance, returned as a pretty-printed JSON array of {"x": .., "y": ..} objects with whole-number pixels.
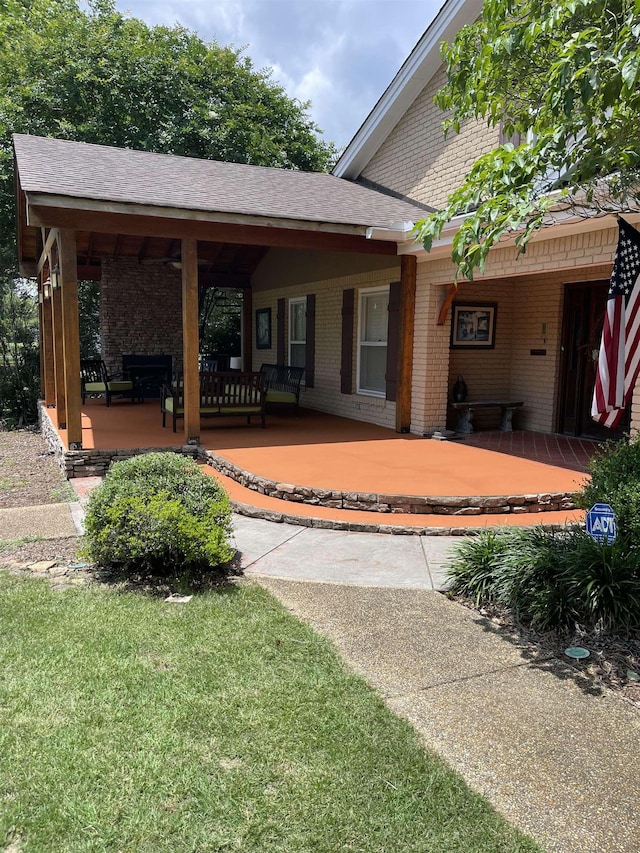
[{"x": 128, "y": 724}]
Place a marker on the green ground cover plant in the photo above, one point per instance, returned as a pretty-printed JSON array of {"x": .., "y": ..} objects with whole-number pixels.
[
  {"x": 557, "y": 579},
  {"x": 158, "y": 514},
  {"x": 127, "y": 723}
]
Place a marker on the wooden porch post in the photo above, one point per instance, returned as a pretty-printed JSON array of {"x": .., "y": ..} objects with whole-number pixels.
[
  {"x": 58, "y": 359},
  {"x": 41, "y": 332},
  {"x": 46, "y": 349},
  {"x": 247, "y": 329},
  {"x": 405, "y": 349},
  {"x": 190, "y": 341},
  {"x": 71, "y": 332}
]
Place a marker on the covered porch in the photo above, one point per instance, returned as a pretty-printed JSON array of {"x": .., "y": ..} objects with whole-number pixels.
[{"x": 325, "y": 470}]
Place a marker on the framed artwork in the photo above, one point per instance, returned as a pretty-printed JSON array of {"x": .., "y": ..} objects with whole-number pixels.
[
  {"x": 473, "y": 326},
  {"x": 263, "y": 328}
]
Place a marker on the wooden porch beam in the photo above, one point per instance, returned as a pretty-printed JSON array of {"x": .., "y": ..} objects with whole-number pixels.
[
  {"x": 71, "y": 330},
  {"x": 214, "y": 232},
  {"x": 46, "y": 251},
  {"x": 446, "y": 304},
  {"x": 190, "y": 341},
  {"x": 408, "y": 266}
]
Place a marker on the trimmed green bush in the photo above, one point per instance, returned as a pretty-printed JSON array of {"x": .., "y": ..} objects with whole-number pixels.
[
  {"x": 558, "y": 579},
  {"x": 158, "y": 514},
  {"x": 615, "y": 479}
]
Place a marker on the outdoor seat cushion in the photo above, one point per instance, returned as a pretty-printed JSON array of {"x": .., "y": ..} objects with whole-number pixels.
[
  {"x": 281, "y": 397},
  {"x": 95, "y": 387},
  {"x": 117, "y": 386},
  {"x": 240, "y": 410}
]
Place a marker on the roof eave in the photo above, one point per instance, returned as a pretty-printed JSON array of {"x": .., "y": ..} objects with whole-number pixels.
[{"x": 35, "y": 199}]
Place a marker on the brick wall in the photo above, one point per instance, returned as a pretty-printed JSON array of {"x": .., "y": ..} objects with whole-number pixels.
[
  {"x": 430, "y": 358},
  {"x": 418, "y": 161},
  {"x": 140, "y": 311},
  {"x": 326, "y": 396},
  {"x": 529, "y": 292}
]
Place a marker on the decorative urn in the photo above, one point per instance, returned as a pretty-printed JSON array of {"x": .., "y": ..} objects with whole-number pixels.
[{"x": 459, "y": 391}]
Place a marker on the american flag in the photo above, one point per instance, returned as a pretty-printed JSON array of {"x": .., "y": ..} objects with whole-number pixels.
[{"x": 619, "y": 359}]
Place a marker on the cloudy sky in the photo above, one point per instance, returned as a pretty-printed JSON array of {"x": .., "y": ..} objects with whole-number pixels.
[{"x": 338, "y": 54}]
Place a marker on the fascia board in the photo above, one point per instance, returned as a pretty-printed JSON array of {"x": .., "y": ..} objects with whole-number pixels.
[
  {"x": 47, "y": 200},
  {"x": 415, "y": 73}
]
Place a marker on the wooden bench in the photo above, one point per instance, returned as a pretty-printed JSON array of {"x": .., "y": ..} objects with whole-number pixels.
[
  {"x": 283, "y": 383},
  {"x": 221, "y": 394},
  {"x": 465, "y": 411}
]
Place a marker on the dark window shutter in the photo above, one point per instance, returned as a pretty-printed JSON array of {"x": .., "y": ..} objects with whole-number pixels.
[
  {"x": 310, "y": 349},
  {"x": 280, "y": 338},
  {"x": 393, "y": 341},
  {"x": 346, "y": 363}
]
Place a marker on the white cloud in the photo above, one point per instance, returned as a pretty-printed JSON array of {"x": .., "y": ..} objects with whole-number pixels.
[{"x": 340, "y": 54}]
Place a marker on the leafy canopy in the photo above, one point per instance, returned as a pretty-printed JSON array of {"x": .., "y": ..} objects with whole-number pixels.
[
  {"x": 561, "y": 79},
  {"x": 93, "y": 74},
  {"x": 97, "y": 75}
]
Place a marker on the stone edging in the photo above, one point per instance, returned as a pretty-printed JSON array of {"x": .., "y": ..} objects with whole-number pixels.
[
  {"x": 95, "y": 463},
  {"x": 366, "y": 527},
  {"x": 390, "y": 504}
]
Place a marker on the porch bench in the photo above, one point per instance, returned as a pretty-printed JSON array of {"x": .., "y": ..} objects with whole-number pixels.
[
  {"x": 221, "y": 394},
  {"x": 465, "y": 412},
  {"x": 283, "y": 383}
]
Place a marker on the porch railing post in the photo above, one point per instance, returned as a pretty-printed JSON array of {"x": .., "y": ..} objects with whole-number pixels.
[
  {"x": 405, "y": 349},
  {"x": 71, "y": 332}
]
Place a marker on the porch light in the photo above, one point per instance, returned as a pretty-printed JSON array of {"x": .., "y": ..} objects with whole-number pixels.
[
  {"x": 55, "y": 277},
  {"x": 46, "y": 287}
]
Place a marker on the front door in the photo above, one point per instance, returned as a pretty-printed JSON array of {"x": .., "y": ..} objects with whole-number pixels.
[{"x": 584, "y": 310}]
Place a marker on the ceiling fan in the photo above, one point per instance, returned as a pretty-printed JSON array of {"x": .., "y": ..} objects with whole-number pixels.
[{"x": 174, "y": 260}]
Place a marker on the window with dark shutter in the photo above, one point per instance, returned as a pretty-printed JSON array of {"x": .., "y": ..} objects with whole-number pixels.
[
  {"x": 280, "y": 343},
  {"x": 346, "y": 358},
  {"x": 310, "y": 365},
  {"x": 393, "y": 342}
]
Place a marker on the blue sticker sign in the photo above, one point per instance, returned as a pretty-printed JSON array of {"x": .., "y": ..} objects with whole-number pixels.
[{"x": 601, "y": 523}]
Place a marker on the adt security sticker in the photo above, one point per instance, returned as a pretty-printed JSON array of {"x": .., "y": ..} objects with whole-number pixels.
[{"x": 601, "y": 523}]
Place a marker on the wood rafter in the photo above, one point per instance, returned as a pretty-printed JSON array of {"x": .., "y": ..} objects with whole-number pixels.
[{"x": 446, "y": 304}]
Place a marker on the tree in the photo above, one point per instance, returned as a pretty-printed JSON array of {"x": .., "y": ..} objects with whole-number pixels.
[
  {"x": 561, "y": 79},
  {"x": 96, "y": 75}
]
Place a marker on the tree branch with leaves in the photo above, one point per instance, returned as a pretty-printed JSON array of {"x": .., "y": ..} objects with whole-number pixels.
[{"x": 560, "y": 78}]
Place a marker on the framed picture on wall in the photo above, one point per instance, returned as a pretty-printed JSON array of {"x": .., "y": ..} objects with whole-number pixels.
[
  {"x": 263, "y": 328},
  {"x": 473, "y": 326}
]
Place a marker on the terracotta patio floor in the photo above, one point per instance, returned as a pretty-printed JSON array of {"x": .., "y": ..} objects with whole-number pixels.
[{"x": 323, "y": 451}]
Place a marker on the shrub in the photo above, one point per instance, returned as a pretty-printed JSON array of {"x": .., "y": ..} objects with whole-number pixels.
[
  {"x": 551, "y": 579},
  {"x": 476, "y": 564},
  {"x": 158, "y": 514},
  {"x": 615, "y": 479}
]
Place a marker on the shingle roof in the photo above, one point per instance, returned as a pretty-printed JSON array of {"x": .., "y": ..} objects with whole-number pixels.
[{"x": 84, "y": 171}]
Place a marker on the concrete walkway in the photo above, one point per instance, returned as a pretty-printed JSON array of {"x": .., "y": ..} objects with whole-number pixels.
[{"x": 558, "y": 761}]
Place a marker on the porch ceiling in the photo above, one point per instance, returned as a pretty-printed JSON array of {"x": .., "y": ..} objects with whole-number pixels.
[{"x": 137, "y": 204}]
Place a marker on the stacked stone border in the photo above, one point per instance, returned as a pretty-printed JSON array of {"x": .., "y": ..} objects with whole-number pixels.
[
  {"x": 95, "y": 463},
  {"x": 386, "y": 503}
]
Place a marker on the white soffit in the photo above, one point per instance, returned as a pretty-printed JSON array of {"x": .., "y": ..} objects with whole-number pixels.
[{"x": 422, "y": 63}]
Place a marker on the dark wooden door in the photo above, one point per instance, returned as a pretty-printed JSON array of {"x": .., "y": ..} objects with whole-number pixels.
[{"x": 584, "y": 309}]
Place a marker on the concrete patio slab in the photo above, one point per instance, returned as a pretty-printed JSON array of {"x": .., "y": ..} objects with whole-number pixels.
[
  {"x": 48, "y": 521},
  {"x": 255, "y": 538},
  {"x": 336, "y": 556}
]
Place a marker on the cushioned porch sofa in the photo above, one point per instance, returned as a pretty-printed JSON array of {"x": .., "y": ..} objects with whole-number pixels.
[{"x": 221, "y": 394}]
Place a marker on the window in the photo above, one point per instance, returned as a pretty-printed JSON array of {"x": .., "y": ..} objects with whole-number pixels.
[
  {"x": 372, "y": 341},
  {"x": 297, "y": 332}
]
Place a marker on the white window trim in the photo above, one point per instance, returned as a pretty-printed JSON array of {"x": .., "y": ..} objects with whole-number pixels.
[
  {"x": 370, "y": 291},
  {"x": 298, "y": 300}
]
